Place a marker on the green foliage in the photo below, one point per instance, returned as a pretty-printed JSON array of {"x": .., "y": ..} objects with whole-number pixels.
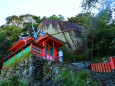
[
  {"x": 98, "y": 33},
  {"x": 17, "y": 61},
  {"x": 89, "y": 5},
  {"x": 4, "y": 83},
  {"x": 22, "y": 83},
  {"x": 82, "y": 19},
  {"x": 8, "y": 35},
  {"x": 70, "y": 56},
  {"x": 101, "y": 42},
  {"x": 67, "y": 76},
  {"x": 75, "y": 79},
  {"x": 54, "y": 17},
  {"x": 12, "y": 81},
  {"x": 83, "y": 75}
]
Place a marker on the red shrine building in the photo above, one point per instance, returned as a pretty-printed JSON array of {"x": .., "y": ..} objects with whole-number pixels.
[{"x": 44, "y": 46}]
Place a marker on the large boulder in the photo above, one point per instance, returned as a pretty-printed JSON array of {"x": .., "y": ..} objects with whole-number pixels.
[{"x": 68, "y": 32}]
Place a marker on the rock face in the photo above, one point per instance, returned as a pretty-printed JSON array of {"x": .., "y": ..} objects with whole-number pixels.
[
  {"x": 70, "y": 33},
  {"x": 38, "y": 72},
  {"x": 28, "y": 70}
]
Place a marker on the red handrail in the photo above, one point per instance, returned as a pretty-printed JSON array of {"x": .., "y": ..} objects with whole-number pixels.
[{"x": 104, "y": 66}]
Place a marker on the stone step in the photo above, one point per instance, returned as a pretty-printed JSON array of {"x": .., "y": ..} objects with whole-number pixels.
[
  {"x": 106, "y": 83},
  {"x": 104, "y": 79}
]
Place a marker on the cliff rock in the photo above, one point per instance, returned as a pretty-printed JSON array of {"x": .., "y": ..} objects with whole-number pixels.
[{"x": 68, "y": 32}]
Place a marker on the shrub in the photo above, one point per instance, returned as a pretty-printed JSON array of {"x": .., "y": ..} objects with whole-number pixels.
[
  {"x": 12, "y": 81},
  {"x": 79, "y": 78},
  {"x": 16, "y": 61}
]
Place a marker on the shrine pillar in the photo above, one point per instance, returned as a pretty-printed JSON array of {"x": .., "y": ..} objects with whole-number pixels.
[
  {"x": 55, "y": 54},
  {"x": 43, "y": 52}
]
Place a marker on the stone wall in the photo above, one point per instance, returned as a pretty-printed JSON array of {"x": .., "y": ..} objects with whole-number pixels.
[
  {"x": 33, "y": 71},
  {"x": 36, "y": 71}
]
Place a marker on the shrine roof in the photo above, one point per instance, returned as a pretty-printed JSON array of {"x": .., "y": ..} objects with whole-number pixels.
[
  {"x": 51, "y": 38},
  {"x": 24, "y": 46},
  {"x": 20, "y": 43}
]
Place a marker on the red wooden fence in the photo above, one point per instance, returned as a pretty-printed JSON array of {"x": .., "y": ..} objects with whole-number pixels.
[{"x": 104, "y": 66}]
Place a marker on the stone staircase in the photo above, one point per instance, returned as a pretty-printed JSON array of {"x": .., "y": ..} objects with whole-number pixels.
[{"x": 104, "y": 79}]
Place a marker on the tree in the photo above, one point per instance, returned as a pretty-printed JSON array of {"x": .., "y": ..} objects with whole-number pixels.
[
  {"x": 89, "y": 5},
  {"x": 12, "y": 20},
  {"x": 101, "y": 42},
  {"x": 54, "y": 17},
  {"x": 82, "y": 19},
  {"x": 8, "y": 35},
  {"x": 98, "y": 31}
]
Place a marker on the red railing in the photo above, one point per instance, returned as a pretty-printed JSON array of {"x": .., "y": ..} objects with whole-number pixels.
[
  {"x": 40, "y": 52},
  {"x": 104, "y": 66}
]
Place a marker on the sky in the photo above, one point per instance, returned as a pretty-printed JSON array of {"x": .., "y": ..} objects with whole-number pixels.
[{"x": 67, "y": 8}]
